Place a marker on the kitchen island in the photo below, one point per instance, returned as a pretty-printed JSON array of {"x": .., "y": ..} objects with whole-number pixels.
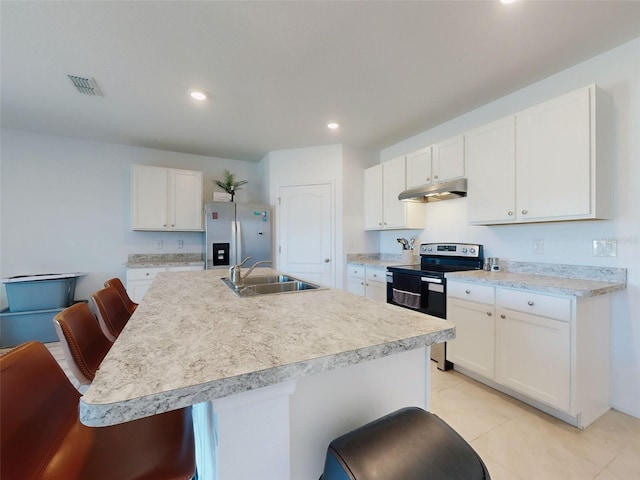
[{"x": 284, "y": 374}]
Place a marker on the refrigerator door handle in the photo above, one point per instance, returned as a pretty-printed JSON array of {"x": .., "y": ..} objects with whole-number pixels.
[
  {"x": 233, "y": 254},
  {"x": 238, "y": 239}
]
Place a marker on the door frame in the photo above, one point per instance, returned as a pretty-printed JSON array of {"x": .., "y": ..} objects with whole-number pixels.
[{"x": 332, "y": 222}]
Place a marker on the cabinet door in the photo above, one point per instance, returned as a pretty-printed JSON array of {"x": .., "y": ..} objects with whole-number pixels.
[
  {"x": 356, "y": 285},
  {"x": 376, "y": 291},
  {"x": 393, "y": 183},
  {"x": 373, "y": 198},
  {"x": 553, "y": 159},
  {"x": 490, "y": 154},
  {"x": 419, "y": 168},
  {"x": 149, "y": 196},
  {"x": 185, "y": 200},
  {"x": 474, "y": 345},
  {"x": 448, "y": 159},
  {"x": 534, "y": 357}
]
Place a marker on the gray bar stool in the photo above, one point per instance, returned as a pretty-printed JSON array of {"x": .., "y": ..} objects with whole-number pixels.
[{"x": 409, "y": 444}]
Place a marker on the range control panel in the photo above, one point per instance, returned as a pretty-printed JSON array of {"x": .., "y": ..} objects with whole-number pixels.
[{"x": 468, "y": 250}]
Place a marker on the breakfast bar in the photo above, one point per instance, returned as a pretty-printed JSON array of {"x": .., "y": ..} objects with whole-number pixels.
[{"x": 273, "y": 378}]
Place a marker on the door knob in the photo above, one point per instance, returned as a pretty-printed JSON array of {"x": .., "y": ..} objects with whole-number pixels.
[{"x": 326, "y": 260}]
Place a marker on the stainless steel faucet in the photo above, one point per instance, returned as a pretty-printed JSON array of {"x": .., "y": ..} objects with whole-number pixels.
[{"x": 235, "y": 272}]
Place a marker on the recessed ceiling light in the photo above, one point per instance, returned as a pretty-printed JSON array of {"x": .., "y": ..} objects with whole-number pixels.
[
  {"x": 505, "y": 2},
  {"x": 198, "y": 94},
  {"x": 333, "y": 125}
]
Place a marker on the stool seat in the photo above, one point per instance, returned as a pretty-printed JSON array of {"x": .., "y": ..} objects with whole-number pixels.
[{"x": 409, "y": 444}]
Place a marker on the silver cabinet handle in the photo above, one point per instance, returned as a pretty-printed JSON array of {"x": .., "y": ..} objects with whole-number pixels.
[
  {"x": 326, "y": 260},
  {"x": 530, "y": 303},
  {"x": 467, "y": 292},
  {"x": 524, "y": 212},
  {"x": 502, "y": 315},
  {"x": 428, "y": 179},
  {"x": 435, "y": 176},
  {"x": 489, "y": 314},
  {"x": 510, "y": 213}
]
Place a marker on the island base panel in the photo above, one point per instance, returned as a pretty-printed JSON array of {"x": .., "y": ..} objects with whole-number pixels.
[{"x": 281, "y": 432}]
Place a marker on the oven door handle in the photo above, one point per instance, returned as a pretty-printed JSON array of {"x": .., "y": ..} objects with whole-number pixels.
[{"x": 431, "y": 280}]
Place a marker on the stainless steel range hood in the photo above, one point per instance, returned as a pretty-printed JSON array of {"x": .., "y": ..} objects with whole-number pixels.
[{"x": 437, "y": 191}]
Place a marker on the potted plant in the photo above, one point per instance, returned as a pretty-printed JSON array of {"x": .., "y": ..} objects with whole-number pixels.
[{"x": 229, "y": 183}]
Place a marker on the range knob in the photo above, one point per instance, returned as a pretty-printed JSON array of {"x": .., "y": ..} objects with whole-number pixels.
[
  {"x": 429, "y": 249},
  {"x": 464, "y": 249},
  {"x": 472, "y": 250}
]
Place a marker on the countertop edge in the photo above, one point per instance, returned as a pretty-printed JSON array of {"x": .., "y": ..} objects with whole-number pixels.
[{"x": 99, "y": 415}]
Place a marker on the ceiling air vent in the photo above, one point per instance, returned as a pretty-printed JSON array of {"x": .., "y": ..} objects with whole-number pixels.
[{"x": 86, "y": 86}]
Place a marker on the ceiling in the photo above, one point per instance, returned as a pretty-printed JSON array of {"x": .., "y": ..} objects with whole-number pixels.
[{"x": 278, "y": 72}]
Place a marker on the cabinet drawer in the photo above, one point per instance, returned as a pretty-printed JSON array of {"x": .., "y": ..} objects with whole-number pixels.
[
  {"x": 143, "y": 273},
  {"x": 376, "y": 274},
  {"x": 471, "y": 291},
  {"x": 535, "y": 304},
  {"x": 356, "y": 271}
]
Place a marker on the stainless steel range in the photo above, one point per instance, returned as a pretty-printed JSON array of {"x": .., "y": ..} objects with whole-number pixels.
[{"x": 423, "y": 287}]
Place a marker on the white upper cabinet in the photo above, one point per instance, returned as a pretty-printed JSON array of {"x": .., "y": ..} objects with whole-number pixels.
[
  {"x": 394, "y": 182},
  {"x": 419, "y": 168},
  {"x": 547, "y": 163},
  {"x": 438, "y": 163},
  {"x": 491, "y": 172},
  {"x": 448, "y": 159},
  {"x": 166, "y": 199},
  {"x": 382, "y": 209}
]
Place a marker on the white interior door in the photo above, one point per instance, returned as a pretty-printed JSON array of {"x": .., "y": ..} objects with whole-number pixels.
[{"x": 306, "y": 233}]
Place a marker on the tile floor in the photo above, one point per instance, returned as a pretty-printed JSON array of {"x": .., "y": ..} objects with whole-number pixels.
[{"x": 518, "y": 442}]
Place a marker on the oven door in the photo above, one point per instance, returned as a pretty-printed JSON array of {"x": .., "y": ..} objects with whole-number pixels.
[{"x": 418, "y": 292}]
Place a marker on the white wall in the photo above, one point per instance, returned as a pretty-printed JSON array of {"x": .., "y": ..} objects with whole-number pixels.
[
  {"x": 65, "y": 205},
  {"x": 617, "y": 72}
]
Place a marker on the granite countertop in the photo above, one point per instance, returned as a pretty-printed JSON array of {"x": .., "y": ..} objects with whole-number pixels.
[
  {"x": 159, "y": 260},
  {"x": 192, "y": 339},
  {"x": 382, "y": 260},
  {"x": 551, "y": 284}
]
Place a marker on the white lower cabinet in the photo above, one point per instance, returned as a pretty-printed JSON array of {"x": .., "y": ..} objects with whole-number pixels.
[
  {"x": 535, "y": 357},
  {"x": 370, "y": 282},
  {"x": 474, "y": 345},
  {"x": 550, "y": 351},
  {"x": 140, "y": 279}
]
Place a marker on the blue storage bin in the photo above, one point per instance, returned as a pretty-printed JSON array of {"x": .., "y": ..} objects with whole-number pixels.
[
  {"x": 40, "y": 292},
  {"x": 20, "y": 327}
]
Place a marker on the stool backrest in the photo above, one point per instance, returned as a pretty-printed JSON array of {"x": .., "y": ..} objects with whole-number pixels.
[
  {"x": 117, "y": 284},
  {"x": 83, "y": 342},
  {"x": 37, "y": 403},
  {"x": 111, "y": 311}
]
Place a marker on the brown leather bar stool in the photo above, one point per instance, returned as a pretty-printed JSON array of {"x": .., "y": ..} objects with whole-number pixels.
[
  {"x": 83, "y": 343},
  {"x": 117, "y": 284},
  {"x": 111, "y": 312},
  {"x": 41, "y": 436},
  {"x": 409, "y": 444}
]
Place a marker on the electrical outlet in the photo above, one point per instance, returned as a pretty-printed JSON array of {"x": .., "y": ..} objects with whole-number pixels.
[
  {"x": 180, "y": 244},
  {"x": 605, "y": 248},
  {"x": 538, "y": 246},
  {"x": 159, "y": 245}
]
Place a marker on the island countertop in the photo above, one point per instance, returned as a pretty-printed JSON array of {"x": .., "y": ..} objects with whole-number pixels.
[{"x": 193, "y": 340}]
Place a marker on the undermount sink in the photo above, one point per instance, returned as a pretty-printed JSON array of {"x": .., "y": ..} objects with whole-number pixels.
[{"x": 267, "y": 285}]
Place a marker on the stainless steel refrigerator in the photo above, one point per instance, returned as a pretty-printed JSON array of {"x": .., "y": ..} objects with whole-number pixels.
[{"x": 235, "y": 231}]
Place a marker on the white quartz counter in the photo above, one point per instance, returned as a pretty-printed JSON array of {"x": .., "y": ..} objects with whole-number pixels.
[
  {"x": 192, "y": 339},
  {"x": 540, "y": 283}
]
